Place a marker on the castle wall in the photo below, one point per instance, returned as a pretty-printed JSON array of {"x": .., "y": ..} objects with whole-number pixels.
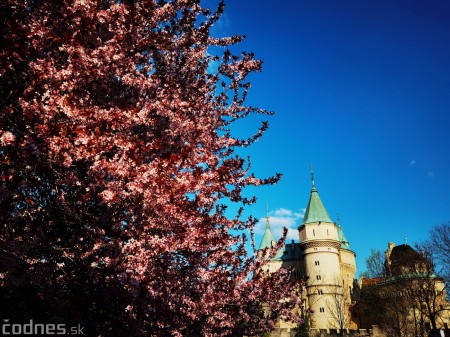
[
  {"x": 273, "y": 266},
  {"x": 288, "y": 332},
  {"x": 318, "y": 231},
  {"x": 348, "y": 270},
  {"x": 320, "y": 247}
]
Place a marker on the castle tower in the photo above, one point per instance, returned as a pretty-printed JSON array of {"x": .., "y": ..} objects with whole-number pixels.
[
  {"x": 268, "y": 241},
  {"x": 325, "y": 259},
  {"x": 347, "y": 259},
  {"x": 320, "y": 243}
]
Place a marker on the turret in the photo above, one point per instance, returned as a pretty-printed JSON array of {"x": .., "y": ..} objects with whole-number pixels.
[
  {"x": 319, "y": 240},
  {"x": 347, "y": 259},
  {"x": 268, "y": 241}
]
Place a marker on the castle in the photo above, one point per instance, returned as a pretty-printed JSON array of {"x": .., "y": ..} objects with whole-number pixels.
[
  {"x": 323, "y": 257},
  {"x": 333, "y": 302},
  {"x": 411, "y": 297}
]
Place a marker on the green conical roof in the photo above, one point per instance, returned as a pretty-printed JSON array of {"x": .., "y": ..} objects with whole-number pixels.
[
  {"x": 267, "y": 241},
  {"x": 342, "y": 239},
  {"x": 315, "y": 211}
]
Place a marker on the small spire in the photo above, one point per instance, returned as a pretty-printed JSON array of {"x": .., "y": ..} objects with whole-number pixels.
[
  {"x": 315, "y": 211},
  {"x": 337, "y": 219},
  {"x": 406, "y": 240},
  {"x": 267, "y": 215}
]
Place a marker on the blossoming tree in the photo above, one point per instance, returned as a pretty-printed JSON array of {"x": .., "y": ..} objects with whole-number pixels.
[{"x": 116, "y": 165}]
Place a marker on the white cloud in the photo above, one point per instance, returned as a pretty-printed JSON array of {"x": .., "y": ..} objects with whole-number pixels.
[
  {"x": 412, "y": 162},
  {"x": 279, "y": 219},
  {"x": 300, "y": 214},
  {"x": 282, "y": 212}
]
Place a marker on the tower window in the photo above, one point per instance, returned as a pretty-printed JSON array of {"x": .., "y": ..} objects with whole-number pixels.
[
  {"x": 318, "y": 277},
  {"x": 319, "y": 292},
  {"x": 314, "y": 232},
  {"x": 317, "y": 263},
  {"x": 322, "y": 309},
  {"x": 327, "y": 232}
]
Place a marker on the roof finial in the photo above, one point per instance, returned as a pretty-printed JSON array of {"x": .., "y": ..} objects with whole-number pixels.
[
  {"x": 312, "y": 174},
  {"x": 337, "y": 219},
  {"x": 406, "y": 240},
  {"x": 267, "y": 215}
]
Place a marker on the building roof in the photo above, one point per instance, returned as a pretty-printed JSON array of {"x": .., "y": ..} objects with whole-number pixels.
[
  {"x": 342, "y": 239},
  {"x": 315, "y": 211},
  {"x": 371, "y": 281},
  {"x": 404, "y": 260},
  {"x": 268, "y": 240},
  {"x": 292, "y": 252},
  {"x": 268, "y": 237},
  {"x": 404, "y": 253}
]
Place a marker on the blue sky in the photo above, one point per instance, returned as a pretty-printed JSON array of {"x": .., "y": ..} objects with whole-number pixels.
[{"x": 361, "y": 90}]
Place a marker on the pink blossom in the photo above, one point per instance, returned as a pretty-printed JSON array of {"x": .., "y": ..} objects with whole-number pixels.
[
  {"x": 116, "y": 196},
  {"x": 7, "y": 138}
]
